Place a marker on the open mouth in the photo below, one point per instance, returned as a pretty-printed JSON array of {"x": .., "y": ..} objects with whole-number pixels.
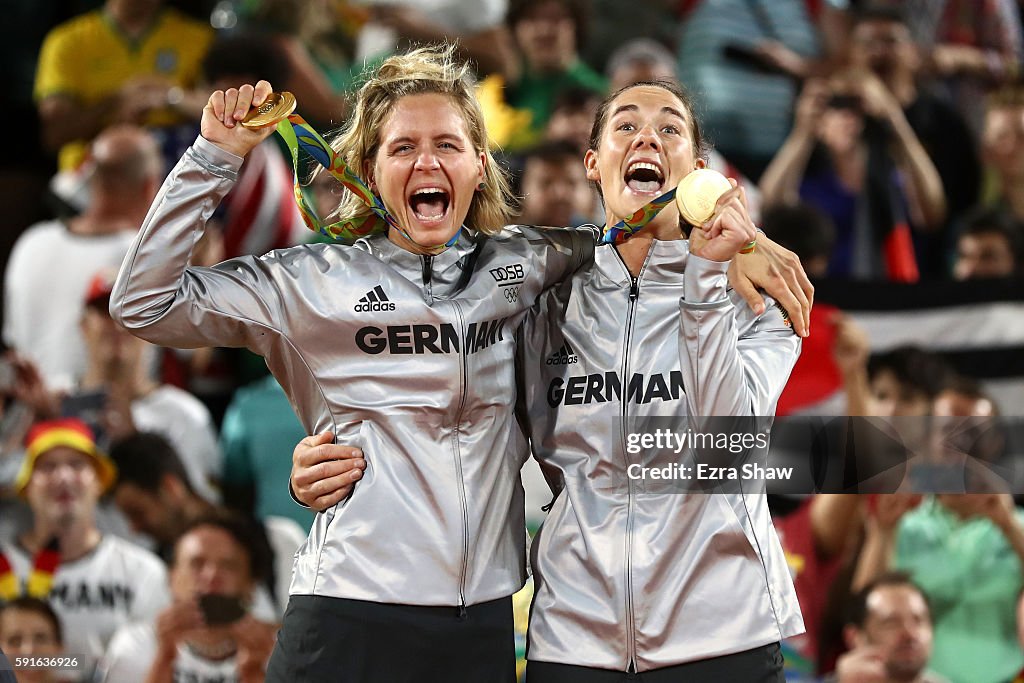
[
  {"x": 644, "y": 177},
  {"x": 429, "y": 203}
]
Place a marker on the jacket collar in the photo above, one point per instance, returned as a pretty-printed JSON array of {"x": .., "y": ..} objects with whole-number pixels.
[
  {"x": 665, "y": 263},
  {"x": 446, "y": 273}
]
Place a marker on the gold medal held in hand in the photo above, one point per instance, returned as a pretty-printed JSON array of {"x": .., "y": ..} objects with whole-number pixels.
[
  {"x": 276, "y": 107},
  {"x": 697, "y": 194}
]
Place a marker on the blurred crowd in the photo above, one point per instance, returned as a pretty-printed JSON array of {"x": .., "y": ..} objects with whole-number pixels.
[{"x": 146, "y": 527}]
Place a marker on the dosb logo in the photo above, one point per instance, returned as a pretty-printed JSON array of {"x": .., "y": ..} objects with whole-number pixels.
[
  {"x": 508, "y": 274},
  {"x": 374, "y": 300}
]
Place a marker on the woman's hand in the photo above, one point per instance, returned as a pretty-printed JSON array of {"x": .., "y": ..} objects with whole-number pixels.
[
  {"x": 224, "y": 110},
  {"x": 779, "y": 273},
  {"x": 323, "y": 472},
  {"x": 727, "y": 231}
]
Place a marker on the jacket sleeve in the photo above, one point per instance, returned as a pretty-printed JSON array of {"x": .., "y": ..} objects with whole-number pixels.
[
  {"x": 162, "y": 299},
  {"x": 733, "y": 363},
  {"x": 559, "y": 252}
]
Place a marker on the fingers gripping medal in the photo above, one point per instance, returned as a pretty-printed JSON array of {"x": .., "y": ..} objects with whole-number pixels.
[
  {"x": 697, "y": 194},
  {"x": 274, "y": 109}
]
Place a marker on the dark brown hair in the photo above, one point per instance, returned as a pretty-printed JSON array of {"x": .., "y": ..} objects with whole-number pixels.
[{"x": 601, "y": 116}]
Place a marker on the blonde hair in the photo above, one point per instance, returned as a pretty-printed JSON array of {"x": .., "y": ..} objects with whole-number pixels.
[{"x": 431, "y": 69}]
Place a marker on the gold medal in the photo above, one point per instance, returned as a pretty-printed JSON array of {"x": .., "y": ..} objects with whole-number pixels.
[
  {"x": 697, "y": 194},
  {"x": 276, "y": 107}
]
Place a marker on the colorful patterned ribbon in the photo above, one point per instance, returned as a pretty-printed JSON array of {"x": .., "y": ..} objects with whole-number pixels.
[
  {"x": 299, "y": 134},
  {"x": 618, "y": 233}
]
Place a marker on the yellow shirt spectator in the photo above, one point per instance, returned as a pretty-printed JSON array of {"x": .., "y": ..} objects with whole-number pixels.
[{"x": 89, "y": 59}]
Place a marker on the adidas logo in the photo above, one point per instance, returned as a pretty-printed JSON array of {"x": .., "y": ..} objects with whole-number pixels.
[
  {"x": 563, "y": 356},
  {"x": 374, "y": 300}
]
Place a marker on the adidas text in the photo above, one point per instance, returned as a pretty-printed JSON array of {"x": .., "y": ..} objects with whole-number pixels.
[{"x": 375, "y": 306}]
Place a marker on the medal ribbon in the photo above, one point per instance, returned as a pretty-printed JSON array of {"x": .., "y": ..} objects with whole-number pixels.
[
  {"x": 298, "y": 134},
  {"x": 620, "y": 232}
]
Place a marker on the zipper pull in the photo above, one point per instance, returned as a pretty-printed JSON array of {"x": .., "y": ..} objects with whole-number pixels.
[
  {"x": 462, "y": 609},
  {"x": 427, "y": 262},
  {"x": 634, "y": 289}
]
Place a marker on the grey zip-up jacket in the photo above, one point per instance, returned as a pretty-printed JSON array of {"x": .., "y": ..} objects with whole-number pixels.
[
  {"x": 627, "y": 575},
  {"x": 410, "y": 358}
]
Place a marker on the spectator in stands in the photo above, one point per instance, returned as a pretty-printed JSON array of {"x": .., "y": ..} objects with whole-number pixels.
[
  {"x": 477, "y": 28},
  {"x": 966, "y": 552},
  {"x": 816, "y": 538},
  {"x": 882, "y": 44},
  {"x": 830, "y": 377},
  {"x": 991, "y": 245},
  {"x": 554, "y": 187},
  {"x": 572, "y": 117},
  {"x": 839, "y": 157},
  {"x": 317, "y": 42},
  {"x": 613, "y": 23},
  {"x": 153, "y": 492},
  {"x": 1002, "y": 147},
  {"x": 132, "y": 61},
  {"x": 53, "y": 262},
  {"x": 95, "y": 582},
  {"x": 641, "y": 59},
  {"x": 905, "y": 381},
  {"x": 967, "y": 47},
  {"x": 118, "y": 377},
  {"x": 963, "y": 397},
  {"x": 747, "y": 108},
  {"x": 208, "y": 632},
  {"x": 259, "y": 426},
  {"x": 547, "y": 36},
  {"x": 30, "y": 628},
  {"x": 889, "y": 633}
]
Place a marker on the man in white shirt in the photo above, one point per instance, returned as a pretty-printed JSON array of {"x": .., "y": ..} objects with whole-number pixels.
[
  {"x": 95, "y": 582},
  {"x": 52, "y": 262},
  {"x": 207, "y": 634}
]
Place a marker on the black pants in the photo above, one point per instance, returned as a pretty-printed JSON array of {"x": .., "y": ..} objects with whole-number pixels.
[
  {"x": 760, "y": 665},
  {"x": 334, "y": 640}
]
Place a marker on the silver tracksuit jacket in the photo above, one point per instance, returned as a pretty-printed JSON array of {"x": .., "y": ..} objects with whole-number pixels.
[
  {"x": 629, "y": 578},
  {"x": 410, "y": 358}
]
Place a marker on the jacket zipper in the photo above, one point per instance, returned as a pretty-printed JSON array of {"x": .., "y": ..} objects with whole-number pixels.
[
  {"x": 428, "y": 266},
  {"x": 428, "y": 262},
  {"x": 634, "y": 294},
  {"x": 457, "y": 453}
]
